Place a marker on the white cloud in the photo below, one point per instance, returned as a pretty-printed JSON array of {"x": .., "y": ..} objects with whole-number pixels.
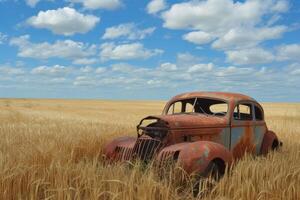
[
  {"x": 60, "y": 49},
  {"x": 122, "y": 68},
  {"x": 201, "y": 68},
  {"x": 84, "y": 81},
  {"x": 155, "y": 6},
  {"x": 100, "y": 70},
  {"x": 111, "y": 51},
  {"x": 244, "y": 38},
  {"x": 85, "y": 61},
  {"x": 99, "y": 4},
  {"x": 294, "y": 69},
  {"x": 288, "y": 52},
  {"x": 235, "y": 71},
  {"x": 263, "y": 81},
  {"x": 59, "y": 80},
  {"x": 86, "y": 69},
  {"x": 217, "y": 15},
  {"x": 7, "y": 70},
  {"x": 32, "y": 3},
  {"x": 168, "y": 67},
  {"x": 56, "y": 70},
  {"x": 198, "y": 37},
  {"x": 280, "y": 6},
  {"x": 233, "y": 24},
  {"x": 187, "y": 59},
  {"x": 128, "y": 31},
  {"x": 250, "y": 56},
  {"x": 154, "y": 82},
  {"x": 65, "y": 21}
]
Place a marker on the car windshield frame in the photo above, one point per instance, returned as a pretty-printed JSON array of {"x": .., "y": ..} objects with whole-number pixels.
[{"x": 204, "y": 111}]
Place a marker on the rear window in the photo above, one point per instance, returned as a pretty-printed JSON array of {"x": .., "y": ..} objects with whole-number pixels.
[{"x": 258, "y": 113}]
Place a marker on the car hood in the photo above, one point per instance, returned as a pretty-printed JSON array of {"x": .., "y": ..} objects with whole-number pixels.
[{"x": 178, "y": 121}]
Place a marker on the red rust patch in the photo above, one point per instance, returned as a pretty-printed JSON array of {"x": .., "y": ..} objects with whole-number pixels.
[{"x": 245, "y": 144}]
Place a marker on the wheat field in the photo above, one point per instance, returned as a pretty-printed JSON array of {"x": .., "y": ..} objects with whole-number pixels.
[{"x": 52, "y": 149}]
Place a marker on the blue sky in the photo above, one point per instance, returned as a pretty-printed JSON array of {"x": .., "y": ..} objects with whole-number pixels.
[{"x": 132, "y": 49}]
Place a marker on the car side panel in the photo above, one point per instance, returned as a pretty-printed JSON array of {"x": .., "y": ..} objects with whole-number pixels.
[
  {"x": 225, "y": 137},
  {"x": 242, "y": 138},
  {"x": 259, "y": 132},
  {"x": 195, "y": 156}
]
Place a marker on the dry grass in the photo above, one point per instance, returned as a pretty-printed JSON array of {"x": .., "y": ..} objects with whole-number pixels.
[{"x": 51, "y": 149}]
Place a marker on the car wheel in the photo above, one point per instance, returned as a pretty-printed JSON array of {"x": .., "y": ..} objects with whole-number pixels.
[{"x": 214, "y": 172}]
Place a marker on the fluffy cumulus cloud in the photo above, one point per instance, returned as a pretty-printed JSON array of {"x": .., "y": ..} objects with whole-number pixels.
[
  {"x": 166, "y": 76},
  {"x": 227, "y": 23},
  {"x": 289, "y": 52},
  {"x": 84, "y": 81},
  {"x": 198, "y": 37},
  {"x": 129, "y": 31},
  {"x": 244, "y": 38},
  {"x": 155, "y": 6},
  {"x": 250, "y": 56},
  {"x": 60, "y": 49},
  {"x": 111, "y": 51},
  {"x": 200, "y": 68},
  {"x": 232, "y": 71},
  {"x": 56, "y": 70},
  {"x": 219, "y": 15},
  {"x": 168, "y": 67},
  {"x": 85, "y": 61},
  {"x": 65, "y": 21},
  {"x": 170, "y": 75},
  {"x": 99, "y": 4}
]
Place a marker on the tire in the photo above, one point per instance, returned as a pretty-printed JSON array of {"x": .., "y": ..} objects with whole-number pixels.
[{"x": 215, "y": 170}]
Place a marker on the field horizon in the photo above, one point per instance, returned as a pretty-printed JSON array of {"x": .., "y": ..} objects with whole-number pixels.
[
  {"x": 52, "y": 149},
  {"x": 114, "y": 99}
]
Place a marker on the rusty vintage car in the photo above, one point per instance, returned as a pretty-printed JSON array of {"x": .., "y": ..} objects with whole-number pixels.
[{"x": 201, "y": 131}]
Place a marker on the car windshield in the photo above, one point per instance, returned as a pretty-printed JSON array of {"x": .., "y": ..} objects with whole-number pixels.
[{"x": 204, "y": 106}]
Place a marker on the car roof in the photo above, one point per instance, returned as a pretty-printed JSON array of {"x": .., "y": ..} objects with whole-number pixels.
[{"x": 227, "y": 96}]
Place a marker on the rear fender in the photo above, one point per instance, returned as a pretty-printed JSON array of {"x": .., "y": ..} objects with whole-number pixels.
[
  {"x": 269, "y": 138},
  {"x": 110, "y": 148},
  {"x": 195, "y": 156}
]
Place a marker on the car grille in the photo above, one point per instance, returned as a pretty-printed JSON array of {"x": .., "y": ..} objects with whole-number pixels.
[
  {"x": 123, "y": 153},
  {"x": 146, "y": 147}
]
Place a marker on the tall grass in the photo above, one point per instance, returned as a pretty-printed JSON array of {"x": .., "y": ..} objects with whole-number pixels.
[{"x": 52, "y": 149}]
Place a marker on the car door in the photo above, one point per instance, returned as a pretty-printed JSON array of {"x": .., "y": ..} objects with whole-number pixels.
[
  {"x": 242, "y": 129},
  {"x": 260, "y": 127}
]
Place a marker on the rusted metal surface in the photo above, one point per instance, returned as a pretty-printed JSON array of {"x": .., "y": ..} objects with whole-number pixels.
[
  {"x": 193, "y": 140},
  {"x": 242, "y": 141},
  {"x": 195, "y": 156},
  {"x": 267, "y": 143},
  {"x": 192, "y": 121},
  {"x": 146, "y": 147},
  {"x": 119, "y": 148}
]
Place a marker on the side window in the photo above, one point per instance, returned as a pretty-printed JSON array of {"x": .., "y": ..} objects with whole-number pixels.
[
  {"x": 189, "y": 108},
  {"x": 243, "y": 112},
  {"x": 258, "y": 113},
  {"x": 175, "y": 108}
]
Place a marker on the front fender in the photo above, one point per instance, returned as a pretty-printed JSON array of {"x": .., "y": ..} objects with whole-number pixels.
[
  {"x": 195, "y": 156},
  {"x": 110, "y": 148}
]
